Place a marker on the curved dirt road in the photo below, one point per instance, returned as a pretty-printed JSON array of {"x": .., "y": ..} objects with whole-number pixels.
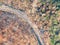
[{"x": 24, "y": 16}]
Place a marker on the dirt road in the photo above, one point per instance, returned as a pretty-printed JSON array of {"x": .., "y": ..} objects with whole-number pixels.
[{"x": 24, "y": 16}]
